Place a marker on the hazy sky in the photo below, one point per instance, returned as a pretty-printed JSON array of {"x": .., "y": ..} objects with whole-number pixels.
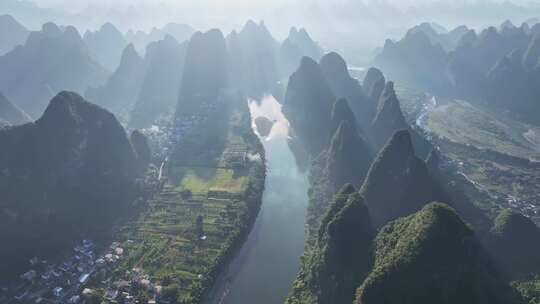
[{"x": 78, "y": 4}]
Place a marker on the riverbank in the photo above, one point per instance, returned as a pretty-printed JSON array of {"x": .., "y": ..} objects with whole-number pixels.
[
  {"x": 194, "y": 225},
  {"x": 267, "y": 264}
]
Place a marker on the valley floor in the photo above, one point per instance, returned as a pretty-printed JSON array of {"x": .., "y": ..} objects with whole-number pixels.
[
  {"x": 186, "y": 233},
  {"x": 492, "y": 151}
]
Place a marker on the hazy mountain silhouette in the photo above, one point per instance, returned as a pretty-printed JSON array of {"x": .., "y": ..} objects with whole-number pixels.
[
  {"x": 52, "y": 60},
  {"x": 10, "y": 114},
  {"x": 253, "y": 59},
  {"x": 106, "y": 44},
  {"x": 12, "y": 33},
  {"x": 141, "y": 39},
  {"x": 343, "y": 85},
  {"x": 123, "y": 87},
  {"x": 297, "y": 45},
  {"x": 160, "y": 85}
]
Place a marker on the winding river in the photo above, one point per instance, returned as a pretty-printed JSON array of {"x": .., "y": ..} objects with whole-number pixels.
[{"x": 267, "y": 264}]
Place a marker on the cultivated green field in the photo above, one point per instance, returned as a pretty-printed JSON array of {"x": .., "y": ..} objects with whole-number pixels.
[{"x": 199, "y": 217}]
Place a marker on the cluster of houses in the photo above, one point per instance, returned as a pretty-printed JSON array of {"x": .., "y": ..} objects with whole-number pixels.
[
  {"x": 62, "y": 283},
  {"x": 526, "y": 208},
  {"x": 128, "y": 291}
]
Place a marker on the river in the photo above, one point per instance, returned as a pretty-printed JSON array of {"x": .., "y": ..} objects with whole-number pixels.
[{"x": 267, "y": 264}]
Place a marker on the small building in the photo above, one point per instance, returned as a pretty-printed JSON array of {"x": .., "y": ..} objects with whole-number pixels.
[
  {"x": 111, "y": 294},
  {"x": 88, "y": 244},
  {"x": 21, "y": 296},
  {"x": 29, "y": 276},
  {"x": 87, "y": 291},
  {"x": 57, "y": 291},
  {"x": 84, "y": 278}
]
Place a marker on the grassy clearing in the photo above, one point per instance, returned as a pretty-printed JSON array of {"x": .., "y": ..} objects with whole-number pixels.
[
  {"x": 464, "y": 123},
  {"x": 183, "y": 239},
  {"x": 223, "y": 180}
]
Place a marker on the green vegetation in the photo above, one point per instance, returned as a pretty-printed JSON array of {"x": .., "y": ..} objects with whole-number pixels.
[
  {"x": 432, "y": 257},
  {"x": 515, "y": 243},
  {"x": 333, "y": 269},
  {"x": 199, "y": 217},
  {"x": 223, "y": 180},
  {"x": 464, "y": 123},
  {"x": 493, "y": 152},
  {"x": 529, "y": 290},
  {"x": 411, "y": 182}
]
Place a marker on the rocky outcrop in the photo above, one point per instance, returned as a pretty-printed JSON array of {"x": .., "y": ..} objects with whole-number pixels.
[
  {"x": 253, "y": 60},
  {"x": 342, "y": 257},
  {"x": 122, "y": 89},
  {"x": 308, "y": 104},
  {"x": 398, "y": 167},
  {"x": 343, "y": 85},
  {"x": 160, "y": 86},
  {"x": 106, "y": 45}
]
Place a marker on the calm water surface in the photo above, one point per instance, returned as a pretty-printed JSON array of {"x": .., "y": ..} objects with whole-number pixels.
[{"x": 267, "y": 264}]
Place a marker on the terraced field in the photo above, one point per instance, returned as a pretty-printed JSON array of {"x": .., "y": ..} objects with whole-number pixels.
[{"x": 199, "y": 216}]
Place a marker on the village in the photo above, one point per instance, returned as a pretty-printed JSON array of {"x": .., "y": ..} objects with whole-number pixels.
[{"x": 67, "y": 282}]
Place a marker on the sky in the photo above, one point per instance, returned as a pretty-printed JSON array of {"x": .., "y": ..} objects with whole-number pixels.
[
  {"x": 341, "y": 24},
  {"x": 75, "y": 5}
]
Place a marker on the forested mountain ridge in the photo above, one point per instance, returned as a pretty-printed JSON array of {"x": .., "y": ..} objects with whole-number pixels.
[{"x": 74, "y": 169}]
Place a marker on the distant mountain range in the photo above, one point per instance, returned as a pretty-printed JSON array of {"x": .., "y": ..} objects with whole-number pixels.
[
  {"x": 496, "y": 67},
  {"x": 12, "y": 33},
  {"x": 106, "y": 45},
  {"x": 51, "y": 60}
]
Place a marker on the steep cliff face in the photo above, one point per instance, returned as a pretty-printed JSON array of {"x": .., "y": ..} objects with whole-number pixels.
[
  {"x": 205, "y": 72},
  {"x": 346, "y": 161},
  {"x": 348, "y": 158},
  {"x": 121, "y": 90},
  {"x": 342, "y": 257},
  {"x": 397, "y": 167},
  {"x": 389, "y": 118},
  {"x": 374, "y": 83},
  {"x": 343, "y": 85},
  {"x": 253, "y": 60},
  {"x": 160, "y": 85},
  {"x": 297, "y": 45},
  {"x": 308, "y": 104},
  {"x": 106, "y": 45}
]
